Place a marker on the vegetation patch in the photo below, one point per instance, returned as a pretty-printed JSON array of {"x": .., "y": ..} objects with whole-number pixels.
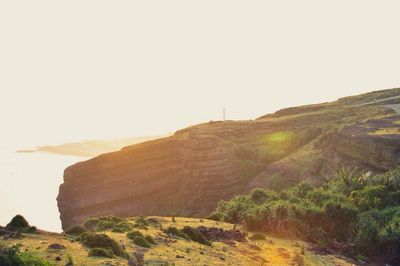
[
  {"x": 101, "y": 252},
  {"x": 141, "y": 223},
  {"x": 12, "y": 256},
  {"x": 195, "y": 235},
  {"x": 141, "y": 240},
  {"x": 153, "y": 222},
  {"x": 150, "y": 239},
  {"x": 176, "y": 232},
  {"x": 93, "y": 240},
  {"x": 112, "y": 223},
  {"x": 76, "y": 230},
  {"x": 19, "y": 223},
  {"x": 361, "y": 213}
]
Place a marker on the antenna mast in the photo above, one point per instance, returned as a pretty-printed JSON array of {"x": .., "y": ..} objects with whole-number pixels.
[{"x": 223, "y": 114}]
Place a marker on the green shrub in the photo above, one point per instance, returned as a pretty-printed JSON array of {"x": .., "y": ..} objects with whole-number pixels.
[
  {"x": 301, "y": 190},
  {"x": 32, "y": 230},
  {"x": 176, "y": 232},
  {"x": 260, "y": 196},
  {"x": 11, "y": 256},
  {"x": 153, "y": 222},
  {"x": 17, "y": 222},
  {"x": 233, "y": 211},
  {"x": 141, "y": 223},
  {"x": 122, "y": 227},
  {"x": 339, "y": 218},
  {"x": 362, "y": 209},
  {"x": 139, "y": 239},
  {"x": 111, "y": 223},
  {"x": 118, "y": 230},
  {"x": 76, "y": 230},
  {"x": 70, "y": 261},
  {"x": 100, "y": 252},
  {"x": 93, "y": 240},
  {"x": 369, "y": 197},
  {"x": 91, "y": 223},
  {"x": 195, "y": 235},
  {"x": 379, "y": 230},
  {"x": 105, "y": 225},
  {"x": 150, "y": 239},
  {"x": 134, "y": 233}
]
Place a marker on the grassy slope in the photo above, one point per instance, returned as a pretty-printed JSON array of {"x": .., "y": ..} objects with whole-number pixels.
[{"x": 272, "y": 251}]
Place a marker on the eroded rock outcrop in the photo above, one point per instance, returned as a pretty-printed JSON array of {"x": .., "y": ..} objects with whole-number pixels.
[{"x": 188, "y": 173}]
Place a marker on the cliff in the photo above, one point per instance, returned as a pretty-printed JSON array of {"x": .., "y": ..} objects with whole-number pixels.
[{"x": 188, "y": 173}]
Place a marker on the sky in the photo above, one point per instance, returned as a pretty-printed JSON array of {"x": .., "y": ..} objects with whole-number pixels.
[{"x": 73, "y": 70}]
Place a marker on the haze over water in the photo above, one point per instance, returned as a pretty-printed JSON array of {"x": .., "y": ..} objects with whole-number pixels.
[{"x": 29, "y": 186}]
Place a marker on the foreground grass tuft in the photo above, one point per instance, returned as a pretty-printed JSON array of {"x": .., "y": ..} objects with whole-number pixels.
[
  {"x": 112, "y": 223},
  {"x": 11, "y": 256},
  {"x": 93, "y": 240},
  {"x": 76, "y": 230},
  {"x": 195, "y": 235},
  {"x": 141, "y": 240},
  {"x": 176, "y": 232},
  {"x": 100, "y": 252}
]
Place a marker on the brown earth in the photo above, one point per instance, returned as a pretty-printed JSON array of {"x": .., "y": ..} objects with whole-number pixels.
[{"x": 188, "y": 173}]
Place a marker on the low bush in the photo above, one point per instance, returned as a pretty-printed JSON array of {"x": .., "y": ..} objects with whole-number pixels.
[
  {"x": 100, "y": 252},
  {"x": 195, "y": 235},
  {"x": 18, "y": 221},
  {"x": 91, "y": 223},
  {"x": 76, "y": 230},
  {"x": 362, "y": 212},
  {"x": 93, "y": 240},
  {"x": 122, "y": 227},
  {"x": 141, "y": 240},
  {"x": 111, "y": 223},
  {"x": 134, "y": 233},
  {"x": 11, "y": 256},
  {"x": 153, "y": 222},
  {"x": 150, "y": 239},
  {"x": 141, "y": 223},
  {"x": 70, "y": 261},
  {"x": 176, "y": 232}
]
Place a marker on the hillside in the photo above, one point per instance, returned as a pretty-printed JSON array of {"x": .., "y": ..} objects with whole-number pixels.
[
  {"x": 167, "y": 248},
  {"x": 188, "y": 173}
]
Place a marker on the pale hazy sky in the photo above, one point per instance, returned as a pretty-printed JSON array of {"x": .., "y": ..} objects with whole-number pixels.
[{"x": 72, "y": 70}]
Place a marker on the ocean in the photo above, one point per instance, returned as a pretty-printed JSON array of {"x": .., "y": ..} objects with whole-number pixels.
[{"x": 29, "y": 186}]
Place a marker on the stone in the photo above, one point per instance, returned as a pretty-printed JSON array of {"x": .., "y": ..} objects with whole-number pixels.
[{"x": 56, "y": 246}]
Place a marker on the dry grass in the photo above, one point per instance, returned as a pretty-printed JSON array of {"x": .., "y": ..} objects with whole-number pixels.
[
  {"x": 386, "y": 131},
  {"x": 271, "y": 251}
]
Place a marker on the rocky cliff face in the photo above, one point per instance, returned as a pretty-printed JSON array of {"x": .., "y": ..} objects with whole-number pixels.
[{"x": 188, "y": 173}]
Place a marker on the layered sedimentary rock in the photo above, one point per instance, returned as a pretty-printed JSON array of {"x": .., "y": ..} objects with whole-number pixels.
[{"x": 188, "y": 173}]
